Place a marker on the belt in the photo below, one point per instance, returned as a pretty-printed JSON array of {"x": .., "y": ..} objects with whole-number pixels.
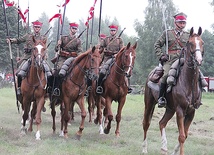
[
  {"x": 68, "y": 54},
  {"x": 173, "y": 51}
]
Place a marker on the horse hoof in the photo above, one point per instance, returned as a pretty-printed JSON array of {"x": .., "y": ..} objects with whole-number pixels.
[
  {"x": 95, "y": 121},
  {"x": 78, "y": 137},
  {"x": 106, "y": 131}
]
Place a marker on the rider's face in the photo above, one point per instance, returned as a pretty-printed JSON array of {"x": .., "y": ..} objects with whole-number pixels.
[
  {"x": 37, "y": 29},
  {"x": 180, "y": 25}
]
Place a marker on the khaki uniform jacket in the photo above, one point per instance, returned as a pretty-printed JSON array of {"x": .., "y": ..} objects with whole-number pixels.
[
  {"x": 111, "y": 46},
  {"x": 74, "y": 46},
  {"x": 175, "y": 44}
]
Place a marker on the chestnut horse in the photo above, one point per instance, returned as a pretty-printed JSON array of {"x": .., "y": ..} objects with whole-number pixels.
[
  {"x": 116, "y": 86},
  {"x": 184, "y": 98},
  {"x": 33, "y": 88},
  {"x": 74, "y": 85}
]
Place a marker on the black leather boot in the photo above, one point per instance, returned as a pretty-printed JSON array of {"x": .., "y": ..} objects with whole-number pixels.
[
  {"x": 161, "y": 99},
  {"x": 99, "y": 89},
  {"x": 19, "y": 81},
  {"x": 88, "y": 89}
]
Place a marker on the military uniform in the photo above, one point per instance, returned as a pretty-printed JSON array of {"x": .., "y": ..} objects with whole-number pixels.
[
  {"x": 110, "y": 46},
  {"x": 70, "y": 47},
  {"x": 176, "y": 41},
  {"x": 28, "y": 40}
]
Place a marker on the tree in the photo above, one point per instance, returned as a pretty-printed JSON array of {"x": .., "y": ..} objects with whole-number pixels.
[
  {"x": 12, "y": 22},
  {"x": 148, "y": 32}
]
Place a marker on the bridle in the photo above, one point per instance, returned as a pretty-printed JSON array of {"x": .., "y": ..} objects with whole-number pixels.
[{"x": 124, "y": 66}]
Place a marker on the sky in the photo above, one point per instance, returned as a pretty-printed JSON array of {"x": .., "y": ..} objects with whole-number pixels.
[{"x": 198, "y": 11}]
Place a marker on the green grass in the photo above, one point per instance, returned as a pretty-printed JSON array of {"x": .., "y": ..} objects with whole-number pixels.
[{"x": 199, "y": 142}]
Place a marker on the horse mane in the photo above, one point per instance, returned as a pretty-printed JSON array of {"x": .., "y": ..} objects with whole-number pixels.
[{"x": 81, "y": 56}]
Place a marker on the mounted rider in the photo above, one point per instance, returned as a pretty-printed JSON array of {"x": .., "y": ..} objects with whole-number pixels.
[
  {"x": 176, "y": 39},
  {"x": 110, "y": 46},
  {"x": 24, "y": 62},
  {"x": 69, "y": 48}
]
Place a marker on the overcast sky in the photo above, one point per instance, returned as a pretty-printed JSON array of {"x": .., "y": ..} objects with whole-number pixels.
[{"x": 200, "y": 12}]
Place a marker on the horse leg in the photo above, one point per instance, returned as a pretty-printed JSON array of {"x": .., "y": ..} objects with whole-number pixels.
[
  {"x": 118, "y": 116},
  {"x": 90, "y": 108},
  {"x": 26, "y": 107},
  {"x": 110, "y": 115},
  {"x": 40, "y": 104},
  {"x": 162, "y": 124},
  {"x": 33, "y": 113},
  {"x": 98, "y": 118},
  {"x": 83, "y": 115},
  {"x": 148, "y": 113},
  {"x": 187, "y": 121},
  {"x": 180, "y": 122},
  {"x": 53, "y": 114},
  {"x": 66, "y": 115},
  {"x": 72, "y": 112},
  {"x": 62, "y": 109}
]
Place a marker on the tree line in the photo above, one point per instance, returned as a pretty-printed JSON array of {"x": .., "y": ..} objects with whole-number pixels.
[{"x": 148, "y": 30}]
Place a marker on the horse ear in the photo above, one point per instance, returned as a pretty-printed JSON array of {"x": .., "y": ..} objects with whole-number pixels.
[
  {"x": 191, "y": 31},
  {"x": 128, "y": 45},
  {"x": 199, "y": 31},
  {"x": 93, "y": 49},
  {"x": 135, "y": 45}
]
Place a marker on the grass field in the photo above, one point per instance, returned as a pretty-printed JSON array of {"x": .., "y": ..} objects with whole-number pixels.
[{"x": 199, "y": 142}]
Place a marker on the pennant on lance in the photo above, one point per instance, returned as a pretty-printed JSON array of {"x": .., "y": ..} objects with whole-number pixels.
[
  {"x": 91, "y": 13},
  {"x": 58, "y": 15}
]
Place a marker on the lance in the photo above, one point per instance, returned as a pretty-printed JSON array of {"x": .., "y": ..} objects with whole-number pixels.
[
  {"x": 92, "y": 27},
  {"x": 164, "y": 19},
  {"x": 11, "y": 56},
  {"x": 47, "y": 31},
  {"x": 28, "y": 19},
  {"x": 86, "y": 44},
  {"x": 57, "y": 57},
  {"x": 100, "y": 18},
  {"x": 18, "y": 30}
]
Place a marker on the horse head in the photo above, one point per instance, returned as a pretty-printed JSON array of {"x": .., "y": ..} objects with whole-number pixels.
[
  {"x": 195, "y": 46},
  {"x": 125, "y": 58},
  {"x": 39, "y": 52},
  {"x": 95, "y": 61}
]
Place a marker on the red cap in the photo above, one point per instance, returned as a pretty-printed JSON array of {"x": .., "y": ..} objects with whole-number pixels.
[
  {"x": 74, "y": 25},
  {"x": 37, "y": 23},
  {"x": 113, "y": 27},
  {"x": 102, "y": 36},
  {"x": 180, "y": 17}
]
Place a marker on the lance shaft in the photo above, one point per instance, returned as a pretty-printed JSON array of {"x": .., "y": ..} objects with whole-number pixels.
[{"x": 11, "y": 57}]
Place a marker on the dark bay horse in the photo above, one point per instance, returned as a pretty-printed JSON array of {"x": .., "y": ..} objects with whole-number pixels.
[
  {"x": 74, "y": 85},
  {"x": 116, "y": 86},
  {"x": 33, "y": 88},
  {"x": 184, "y": 98}
]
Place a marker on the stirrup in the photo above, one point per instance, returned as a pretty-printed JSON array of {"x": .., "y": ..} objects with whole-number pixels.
[
  {"x": 129, "y": 90},
  {"x": 99, "y": 90},
  {"x": 56, "y": 92},
  {"x": 162, "y": 102}
]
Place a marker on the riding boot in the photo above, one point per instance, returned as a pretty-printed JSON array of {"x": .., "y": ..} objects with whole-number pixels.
[
  {"x": 161, "y": 99},
  {"x": 19, "y": 81},
  {"x": 23, "y": 69},
  {"x": 129, "y": 88},
  {"x": 99, "y": 89},
  {"x": 56, "y": 90},
  {"x": 47, "y": 69},
  {"x": 88, "y": 89},
  {"x": 49, "y": 84}
]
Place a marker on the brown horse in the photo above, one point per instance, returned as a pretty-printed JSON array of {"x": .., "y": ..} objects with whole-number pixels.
[
  {"x": 74, "y": 86},
  {"x": 184, "y": 98},
  {"x": 116, "y": 86},
  {"x": 33, "y": 88}
]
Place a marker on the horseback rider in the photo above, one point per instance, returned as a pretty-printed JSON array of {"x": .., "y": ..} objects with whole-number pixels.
[
  {"x": 110, "y": 46},
  {"x": 177, "y": 39},
  {"x": 70, "y": 47},
  {"x": 23, "y": 63}
]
